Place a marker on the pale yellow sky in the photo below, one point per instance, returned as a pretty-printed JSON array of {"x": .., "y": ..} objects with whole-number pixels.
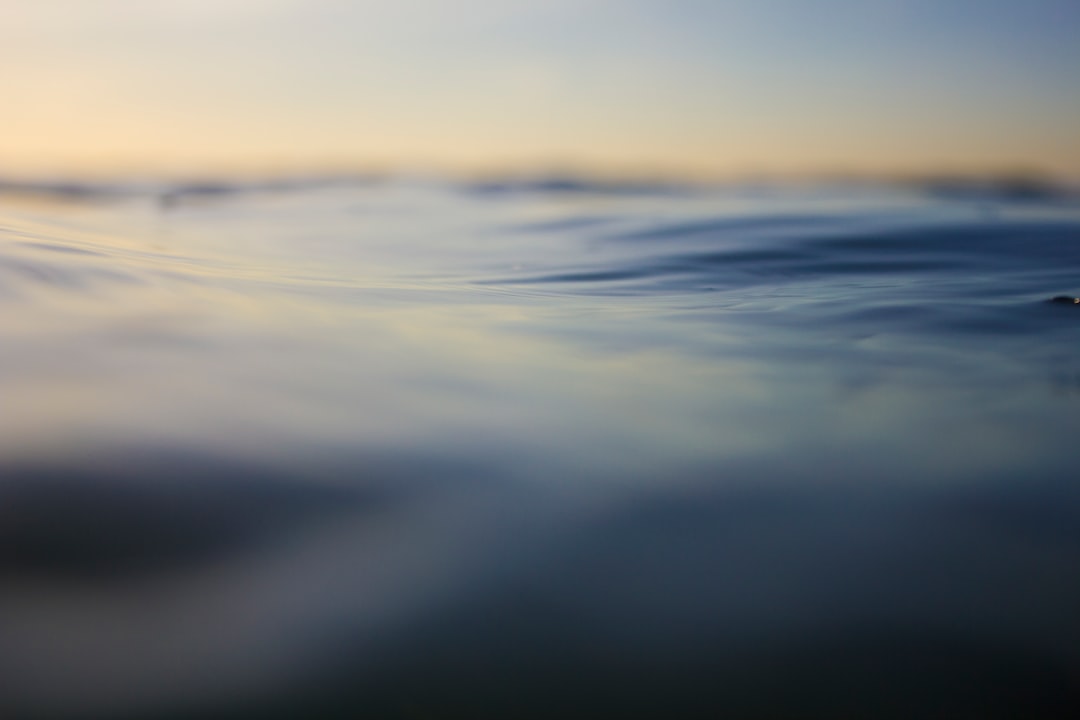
[{"x": 683, "y": 85}]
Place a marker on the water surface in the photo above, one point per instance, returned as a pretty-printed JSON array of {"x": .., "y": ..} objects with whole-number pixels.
[{"x": 415, "y": 448}]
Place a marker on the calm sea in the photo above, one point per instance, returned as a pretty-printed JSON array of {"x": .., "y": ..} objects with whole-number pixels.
[{"x": 415, "y": 448}]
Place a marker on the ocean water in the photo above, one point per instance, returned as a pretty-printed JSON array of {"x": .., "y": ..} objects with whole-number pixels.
[{"x": 416, "y": 448}]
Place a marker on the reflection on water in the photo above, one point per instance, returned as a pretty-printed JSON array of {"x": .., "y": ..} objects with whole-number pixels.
[{"x": 413, "y": 449}]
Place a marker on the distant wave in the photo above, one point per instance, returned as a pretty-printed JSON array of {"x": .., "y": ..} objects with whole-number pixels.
[{"x": 172, "y": 190}]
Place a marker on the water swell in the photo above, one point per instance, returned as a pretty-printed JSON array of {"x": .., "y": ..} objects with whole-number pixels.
[{"x": 721, "y": 255}]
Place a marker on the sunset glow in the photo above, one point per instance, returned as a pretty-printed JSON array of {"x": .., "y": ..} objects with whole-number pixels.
[{"x": 733, "y": 87}]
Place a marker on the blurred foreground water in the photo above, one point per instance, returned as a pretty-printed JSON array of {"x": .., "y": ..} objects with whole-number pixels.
[{"x": 423, "y": 449}]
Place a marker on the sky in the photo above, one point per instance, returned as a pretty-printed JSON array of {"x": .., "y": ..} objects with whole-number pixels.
[{"x": 712, "y": 87}]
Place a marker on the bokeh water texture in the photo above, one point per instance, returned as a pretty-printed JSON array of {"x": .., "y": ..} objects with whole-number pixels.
[{"x": 418, "y": 448}]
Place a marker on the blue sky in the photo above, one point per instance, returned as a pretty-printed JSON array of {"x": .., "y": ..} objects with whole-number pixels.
[{"x": 681, "y": 85}]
